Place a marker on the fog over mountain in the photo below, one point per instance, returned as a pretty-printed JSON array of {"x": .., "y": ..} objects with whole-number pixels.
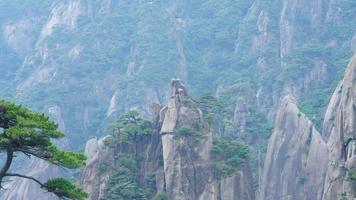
[{"x": 188, "y": 99}]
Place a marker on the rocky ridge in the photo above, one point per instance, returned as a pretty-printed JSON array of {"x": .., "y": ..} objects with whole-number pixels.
[{"x": 305, "y": 164}]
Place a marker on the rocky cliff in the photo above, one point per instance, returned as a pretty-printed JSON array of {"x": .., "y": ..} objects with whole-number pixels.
[
  {"x": 296, "y": 158},
  {"x": 302, "y": 163},
  {"x": 187, "y": 168},
  {"x": 93, "y": 60},
  {"x": 187, "y": 171},
  {"x": 341, "y": 143},
  {"x": 94, "y": 179}
]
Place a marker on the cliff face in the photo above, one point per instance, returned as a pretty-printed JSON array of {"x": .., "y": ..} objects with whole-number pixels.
[
  {"x": 187, "y": 170},
  {"x": 296, "y": 158},
  {"x": 94, "y": 178},
  {"x": 95, "y": 59},
  {"x": 342, "y": 159},
  {"x": 306, "y": 165}
]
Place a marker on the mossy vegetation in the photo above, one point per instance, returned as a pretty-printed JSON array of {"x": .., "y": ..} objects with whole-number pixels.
[
  {"x": 193, "y": 135},
  {"x": 127, "y": 181},
  {"x": 352, "y": 176},
  {"x": 161, "y": 196},
  {"x": 228, "y": 156}
]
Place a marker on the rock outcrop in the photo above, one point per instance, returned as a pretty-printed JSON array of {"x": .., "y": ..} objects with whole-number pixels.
[
  {"x": 182, "y": 163},
  {"x": 296, "y": 158},
  {"x": 94, "y": 178},
  {"x": 122, "y": 74},
  {"x": 305, "y": 165},
  {"x": 342, "y": 139},
  {"x": 238, "y": 186},
  {"x": 187, "y": 169}
]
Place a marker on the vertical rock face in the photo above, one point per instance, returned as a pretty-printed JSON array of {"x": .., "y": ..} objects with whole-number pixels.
[
  {"x": 238, "y": 186},
  {"x": 187, "y": 171},
  {"x": 331, "y": 112},
  {"x": 94, "y": 179},
  {"x": 296, "y": 158},
  {"x": 342, "y": 140},
  {"x": 312, "y": 12},
  {"x": 241, "y": 114},
  {"x": 187, "y": 168}
]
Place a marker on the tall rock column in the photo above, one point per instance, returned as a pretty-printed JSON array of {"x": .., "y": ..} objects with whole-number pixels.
[{"x": 187, "y": 168}]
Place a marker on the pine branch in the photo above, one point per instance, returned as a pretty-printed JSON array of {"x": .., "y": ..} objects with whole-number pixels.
[{"x": 26, "y": 177}]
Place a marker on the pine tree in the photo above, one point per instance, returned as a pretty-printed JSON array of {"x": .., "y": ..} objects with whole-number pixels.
[
  {"x": 31, "y": 133},
  {"x": 132, "y": 128}
]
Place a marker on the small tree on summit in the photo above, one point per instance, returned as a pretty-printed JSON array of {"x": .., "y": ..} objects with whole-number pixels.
[{"x": 30, "y": 133}]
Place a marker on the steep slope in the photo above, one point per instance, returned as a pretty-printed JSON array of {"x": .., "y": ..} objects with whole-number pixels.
[
  {"x": 187, "y": 168},
  {"x": 342, "y": 158},
  {"x": 184, "y": 145},
  {"x": 296, "y": 158},
  {"x": 94, "y": 179}
]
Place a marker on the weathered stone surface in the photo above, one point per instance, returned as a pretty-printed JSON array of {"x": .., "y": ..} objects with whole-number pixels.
[
  {"x": 238, "y": 186},
  {"x": 93, "y": 179},
  {"x": 342, "y": 139},
  {"x": 187, "y": 169},
  {"x": 187, "y": 172},
  {"x": 331, "y": 112},
  {"x": 241, "y": 114},
  {"x": 296, "y": 158}
]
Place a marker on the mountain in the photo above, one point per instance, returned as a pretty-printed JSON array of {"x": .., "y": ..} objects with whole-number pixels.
[
  {"x": 181, "y": 154},
  {"x": 303, "y": 163},
  {"x": 296, "y": 159},
  {"x": 299, "y": 160},
  {"x": 85, "y": 62}
]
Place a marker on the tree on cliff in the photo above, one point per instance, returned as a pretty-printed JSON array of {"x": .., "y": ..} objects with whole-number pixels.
[
  {"x": 131, "y": 128},
  {"x": 31, "y": 133}
]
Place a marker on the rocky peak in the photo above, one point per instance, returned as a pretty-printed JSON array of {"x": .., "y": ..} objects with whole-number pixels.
[
  {"x": 181, "y": 109},
  {"x": 181, "y": 161},
  {"x": 178, "y": 89}
]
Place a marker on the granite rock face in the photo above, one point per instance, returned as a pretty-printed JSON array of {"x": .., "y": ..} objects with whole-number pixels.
[
  {"x": 296, "y": 158},
  {"x": 304, "y": 164},
  {"x": 342, "y": 140},
  {"x": 188, "y": 168},
  {"x": 93, "y": 179},
  {"x": 186, "y": 172}
]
